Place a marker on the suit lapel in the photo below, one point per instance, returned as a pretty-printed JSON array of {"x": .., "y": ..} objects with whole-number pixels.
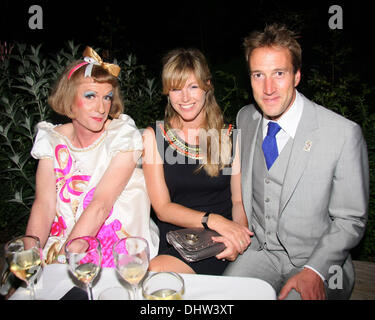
[
  {"x": 300, "y": 154},
  {"x": 248, "y": 139}
]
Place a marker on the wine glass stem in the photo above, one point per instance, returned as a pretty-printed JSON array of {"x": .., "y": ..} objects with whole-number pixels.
[
  {"x": 89, "y": 292},
  {"x": 134, "y": 292},
  {"x": 32, "y": 290}
]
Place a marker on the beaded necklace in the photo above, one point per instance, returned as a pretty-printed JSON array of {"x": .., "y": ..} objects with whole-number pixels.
[
  {"x": 179, "y": 145},
  {"x": 191, "y": 151}
]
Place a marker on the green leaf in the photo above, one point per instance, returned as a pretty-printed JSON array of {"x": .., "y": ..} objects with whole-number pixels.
[
  {"x": 15, "y": 158},
  {"x": 5, "y": 100},
  {"x": 29, "y": 81}
]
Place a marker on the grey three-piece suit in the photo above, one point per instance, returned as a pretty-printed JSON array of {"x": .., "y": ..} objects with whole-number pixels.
[{"x": 311, "y": 206}]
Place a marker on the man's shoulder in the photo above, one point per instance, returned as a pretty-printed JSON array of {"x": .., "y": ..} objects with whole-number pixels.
[
  {"x": 247, "y": 113},
  {"x": 326, "y": 116},
  {"x": 249, "y": 108}
]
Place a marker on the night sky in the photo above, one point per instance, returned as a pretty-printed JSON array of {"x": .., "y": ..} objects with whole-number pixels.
[{"x": 150, "y": 28}]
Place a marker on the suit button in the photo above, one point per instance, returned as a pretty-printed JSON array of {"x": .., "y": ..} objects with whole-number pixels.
[
  {"x": 267, "y": 200},
  {"x": 267, "y": 181}
]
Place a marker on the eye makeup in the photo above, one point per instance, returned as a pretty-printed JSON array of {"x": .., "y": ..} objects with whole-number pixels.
[
  {"x": 109, "y": 96},
  {"x": 89, "y": 94}
]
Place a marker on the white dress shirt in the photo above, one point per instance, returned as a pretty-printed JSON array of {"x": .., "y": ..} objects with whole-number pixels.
[{"x": 288, "y": 122}]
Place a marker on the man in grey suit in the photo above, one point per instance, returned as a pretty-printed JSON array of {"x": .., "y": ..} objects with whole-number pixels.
[{"x": 305, "y": 179}]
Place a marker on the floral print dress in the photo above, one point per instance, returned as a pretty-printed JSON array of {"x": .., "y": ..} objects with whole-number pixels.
[{"x": 79, "y": 170}]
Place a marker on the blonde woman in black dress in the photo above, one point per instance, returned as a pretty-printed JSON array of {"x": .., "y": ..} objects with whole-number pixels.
[{"x": 188, "y": 167}]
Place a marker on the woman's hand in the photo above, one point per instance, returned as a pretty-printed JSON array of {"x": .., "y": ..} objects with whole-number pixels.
[
  {"x": 235, "y": 236},
  {"x": 230, "y": 252}
]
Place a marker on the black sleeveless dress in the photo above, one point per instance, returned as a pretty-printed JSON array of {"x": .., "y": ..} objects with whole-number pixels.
[{"x": 195, "y": 190}]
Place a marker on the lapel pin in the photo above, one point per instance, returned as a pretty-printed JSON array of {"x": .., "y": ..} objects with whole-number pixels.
[{"x": 307, "y": 146}]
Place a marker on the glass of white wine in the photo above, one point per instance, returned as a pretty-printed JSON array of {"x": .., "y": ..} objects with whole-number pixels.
[
  {"x": 132, "y": 257},
  {"x": 163, "y": 286},
  {"x": 24, "y": 256},
  {"x": 84, "y": 258}
]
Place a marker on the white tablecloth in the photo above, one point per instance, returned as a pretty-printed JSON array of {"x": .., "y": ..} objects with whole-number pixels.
[{"x": 56, "y": 280}]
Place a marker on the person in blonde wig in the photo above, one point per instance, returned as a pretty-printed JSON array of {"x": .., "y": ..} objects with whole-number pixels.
[
  {"x": 87, "y": 181},
  {"x": 184, "y": 163},
  {"x": 64, "y": 90}
]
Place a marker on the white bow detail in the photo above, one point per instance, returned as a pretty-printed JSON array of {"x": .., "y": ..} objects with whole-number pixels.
[{"x": 91, "y": 62}]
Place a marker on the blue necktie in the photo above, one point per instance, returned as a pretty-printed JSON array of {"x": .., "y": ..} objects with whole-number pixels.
[{"x": 269, "y": 145}]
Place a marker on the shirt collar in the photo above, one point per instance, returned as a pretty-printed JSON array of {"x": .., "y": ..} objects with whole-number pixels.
[{"x": 290, "y": 119}]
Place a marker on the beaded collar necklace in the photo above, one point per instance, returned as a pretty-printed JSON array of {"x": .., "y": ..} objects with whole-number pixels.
[
  {"x": 191, "y": 151},
  {"x": 183, "y": 148}
]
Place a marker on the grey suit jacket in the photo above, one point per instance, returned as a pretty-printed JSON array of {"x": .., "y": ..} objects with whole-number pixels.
[{"x": 324, "y": 199}]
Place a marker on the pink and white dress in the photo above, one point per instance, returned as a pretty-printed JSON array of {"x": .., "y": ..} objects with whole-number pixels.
[{"x": 78, "y": 171}]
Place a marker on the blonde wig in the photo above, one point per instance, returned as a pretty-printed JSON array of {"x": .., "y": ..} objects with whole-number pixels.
[{"x": 64, "y": 90}]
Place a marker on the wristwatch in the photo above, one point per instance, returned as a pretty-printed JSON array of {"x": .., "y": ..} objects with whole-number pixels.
[{"x": 204, "y": 220}]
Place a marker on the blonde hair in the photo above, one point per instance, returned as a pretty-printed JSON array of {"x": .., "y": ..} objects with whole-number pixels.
[
  {"x": 64, "y": 90},
  {"x": 216, "y": 147}
]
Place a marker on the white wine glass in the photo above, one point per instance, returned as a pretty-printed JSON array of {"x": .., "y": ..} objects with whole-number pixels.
[
  {"x": 84, "y": 258},
  {"x": 132, "y": 257},
  {"x": 163, "y": 286},
  {"x": 24, "y": 256}
]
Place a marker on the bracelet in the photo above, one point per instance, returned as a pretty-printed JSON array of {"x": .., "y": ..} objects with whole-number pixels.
[
  {"x": 61, "y": 258},
  {"x": 204, "y": 220}
]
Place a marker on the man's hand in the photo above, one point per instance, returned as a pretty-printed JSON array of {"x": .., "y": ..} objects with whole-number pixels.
[{"x": 307, "y": 283}]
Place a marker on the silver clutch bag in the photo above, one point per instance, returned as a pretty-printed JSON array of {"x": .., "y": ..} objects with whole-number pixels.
[{"x": 195, "y": 244}]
